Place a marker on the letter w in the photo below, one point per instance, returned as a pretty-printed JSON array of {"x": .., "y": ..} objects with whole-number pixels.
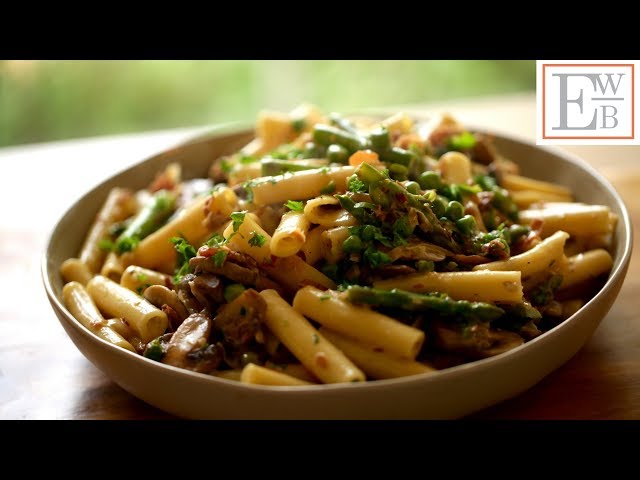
[{"x": 603, "y": 88}]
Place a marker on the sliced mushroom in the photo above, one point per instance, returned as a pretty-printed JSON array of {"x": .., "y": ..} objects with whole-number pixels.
[
  {"x": 387, "y": 271},
  {"x": 186, "y": 296},
  {"x": 238, "y": 267},
  {"x": 160, "y": 295},
  {"x": 419, "y": 251},
  {"x": 475, "y": 341},
  {"x": 503, "y": 341},
  {"x": 208, "y": 290},
  {"x": 189, "y": 346}
]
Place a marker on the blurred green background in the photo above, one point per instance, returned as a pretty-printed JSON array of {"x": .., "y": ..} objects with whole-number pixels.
[{"x": 52, "y": 100}]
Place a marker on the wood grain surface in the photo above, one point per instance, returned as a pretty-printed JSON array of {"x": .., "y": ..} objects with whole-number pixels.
[{"x": 43, "y": 375}]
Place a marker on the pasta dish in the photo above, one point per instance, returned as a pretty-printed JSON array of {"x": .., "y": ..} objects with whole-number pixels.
[{"x": 336, "y": 249}]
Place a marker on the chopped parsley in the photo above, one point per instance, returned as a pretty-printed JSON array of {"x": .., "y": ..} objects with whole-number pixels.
[
  {"x": 329, "y": 188},
  {"x": 325, "y": 297},
  {"x": 237, "y": 218},
  {"x": 463, "y": 141},
  {"x": 219, "y": 257},
  {"x": 375, "y": 258},
  {"x": 106, "y": 245},
  {"x": 226, "y": 166},
  {"x": 256, "y": 239},
  {"x": 315, "y": 338},
  {"x": 186, "y": 252},
  {"x": 248, "y": 188},
  {"x": 127, "y": 244},
  {"x": 356, "y": 185},
  {"x": 298, "y": 125},
  {"x": 216, "y": 240},
  {"x": 245, "y": 159},
  {"x": 295, "y": 206}
]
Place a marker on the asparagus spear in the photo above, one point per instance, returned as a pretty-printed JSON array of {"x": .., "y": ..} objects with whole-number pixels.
[
  {"x": 273, "y": 166},
  {"x": 382, "y": 190},
  {"x": 151, "y": 217},
  {"x": 416, "y": 302},
  {"x": 343, "y": 124},
  {"x": 327, "y": 135}
]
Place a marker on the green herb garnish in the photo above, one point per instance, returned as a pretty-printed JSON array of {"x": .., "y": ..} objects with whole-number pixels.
[{"x": 295, "y": 206}]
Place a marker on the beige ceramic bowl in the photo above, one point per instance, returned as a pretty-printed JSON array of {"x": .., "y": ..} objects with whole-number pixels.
[{"x": 450, "y": 393}]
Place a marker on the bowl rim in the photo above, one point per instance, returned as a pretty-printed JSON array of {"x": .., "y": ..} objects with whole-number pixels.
[{"x": 448, "y": 374}]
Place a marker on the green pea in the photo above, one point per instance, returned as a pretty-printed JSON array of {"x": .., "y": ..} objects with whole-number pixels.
[
  {"x": 429, "y": 180},
  {"x": 398, "y": 172},
  {"x": 337, "y": 154},
  {"x": 249, "y": 357},
  {"x": 368, "y": 233},
  {"x": 413, "y": 187},
  {"x": 352, "y": 244},
  {"x": 232, "y": 291},
  {"x": 425, "y": 266},
  {"x": 313, "y": 150},
  {"x": 439, "y": 206},
  {"x": 454, "y": 210},
  {"x": 467, "y": 224}
]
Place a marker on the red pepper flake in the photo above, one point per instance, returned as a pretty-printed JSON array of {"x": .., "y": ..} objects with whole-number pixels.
[
  {"x": 321, "y": 359},
  {"x": 205, "y": 251}
]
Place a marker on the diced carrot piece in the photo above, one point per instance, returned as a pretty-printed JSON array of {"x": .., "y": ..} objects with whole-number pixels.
[{"x": 364, "y": 156}]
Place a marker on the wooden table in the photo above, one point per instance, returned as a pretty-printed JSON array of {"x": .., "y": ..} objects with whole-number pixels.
[{"x": 43, "y": 376}]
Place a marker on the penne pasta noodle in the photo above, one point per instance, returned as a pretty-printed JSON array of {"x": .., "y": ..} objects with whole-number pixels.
[
  {"x": 156, "y": 252},
  {"x": 360, "y": 323},
  {"x": 538, "y": 259},
  {"x": 312, "y": 248},
  {"x": 586, "y": 265},
  {"x": 113, "y": 299},
  {"x": 476, "y": 286},
  {"x": 296, "y": 370},
  {"x": 243, "y": 238},
  {"x": 290, "y": 235},
  {"x": 222, "y": 203},
  {"x": 575, "y": 219},
  {"x": 519, "y": 183},
  {"x": 112, "y": 267},
  {"x": 398, "y": 123},
  {"x": 526, "y": 198},
  {"x": 332, "y": 241},
  {"x": 229, "y": 374},
  {"x": 244, "y": 173},
  {"x": 375, "y": 364},
  {"x": 274, "y": 128},
  {"x": 258, "y": 375},
  {"x": 315, "y": 352},
  {"x": 300, "y": 185},
  {"x": 119, "y": 326},
  {"x": 295, "y": 273},
  {"x": 118, "y": 206},
  {"x": 137, "y": 279},
  {"x": 75, "y": 270},
  {"x": 326, "y": 211},
  {"x": 79, "y": 303}
]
